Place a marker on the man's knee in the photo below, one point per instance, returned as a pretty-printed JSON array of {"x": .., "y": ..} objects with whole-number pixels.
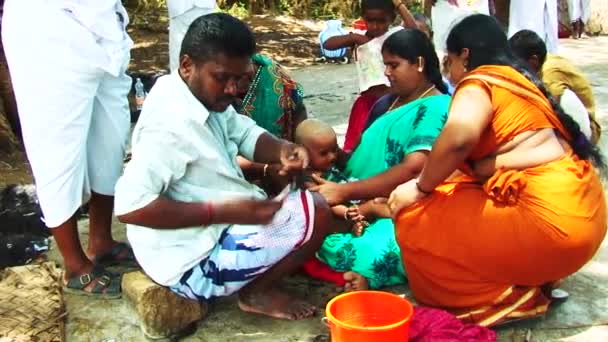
[{"x": 323, "y": 214}]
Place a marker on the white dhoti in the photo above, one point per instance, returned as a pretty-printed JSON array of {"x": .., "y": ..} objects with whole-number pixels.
[
  {"x": 71, "y": 91},
  {"x": 178, "y": 26},
  {"x": 445, "y": 15},
  {"x": 539, "y": 16},
  {"x": 579, "y": 10},
  {"x": 574, "y": 107}
]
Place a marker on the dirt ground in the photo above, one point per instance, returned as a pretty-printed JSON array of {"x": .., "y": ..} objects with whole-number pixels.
[
  {"x": 330, "y": 91},
  {"x": 290, "y": 41}
]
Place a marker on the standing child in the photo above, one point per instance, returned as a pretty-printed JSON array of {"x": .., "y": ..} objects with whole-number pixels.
[{"x": 378, "y": 15}]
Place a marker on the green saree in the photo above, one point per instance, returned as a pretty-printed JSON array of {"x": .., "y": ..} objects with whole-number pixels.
[
  {"x": 273, "y": 99},
  {"x": 409, "y": 128}
]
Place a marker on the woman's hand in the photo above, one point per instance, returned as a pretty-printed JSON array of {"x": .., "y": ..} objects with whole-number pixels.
[
  {"x": 484, "y": 168},
  {"x": 332, "y": 192},
  {"x": 403, "y": 196}
]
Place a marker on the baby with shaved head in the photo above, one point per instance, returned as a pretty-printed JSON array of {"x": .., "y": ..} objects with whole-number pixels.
[
  {"x": 321, "y": 141},
  {"x": 322, "y": 144}
]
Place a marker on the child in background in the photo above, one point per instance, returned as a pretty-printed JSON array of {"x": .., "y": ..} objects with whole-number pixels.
[
  {"x": 373, "y": 84},
  {"x": 321, "y": 142}
]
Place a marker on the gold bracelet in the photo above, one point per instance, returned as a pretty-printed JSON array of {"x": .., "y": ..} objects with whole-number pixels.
[{"x": 265, "y": 170}]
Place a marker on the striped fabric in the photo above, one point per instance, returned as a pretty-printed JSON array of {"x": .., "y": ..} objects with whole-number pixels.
[{"x": 244, "y": 252}]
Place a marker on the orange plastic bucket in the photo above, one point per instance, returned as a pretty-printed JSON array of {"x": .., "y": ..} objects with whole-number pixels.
[{"x": 369, "y": 316}]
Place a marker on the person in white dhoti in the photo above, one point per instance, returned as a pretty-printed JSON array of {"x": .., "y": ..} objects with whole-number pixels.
[
  {"x": 579, "y": 11},
  {"x": 181, "y": 14},
  {"x": 67, "y": 60},
  {"x": 446, "y": 13},
  {"x": 539, "y": 16}
]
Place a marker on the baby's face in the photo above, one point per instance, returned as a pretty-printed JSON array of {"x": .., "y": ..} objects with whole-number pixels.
[{"x": 323, "y": 150}]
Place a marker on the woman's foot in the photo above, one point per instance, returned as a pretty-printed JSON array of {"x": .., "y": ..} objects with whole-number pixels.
[
  {"x": 276, "y": 304},
  {"x": 355, "y": 282}
]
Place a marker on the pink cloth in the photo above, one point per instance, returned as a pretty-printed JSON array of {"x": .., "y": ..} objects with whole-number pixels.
[{"x": 433, "y": 325}]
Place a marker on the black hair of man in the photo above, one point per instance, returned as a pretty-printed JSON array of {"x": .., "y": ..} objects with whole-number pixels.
[
  {"x": 526, "y": 44},
  {"x": 217, "y": 34},
  {"x": 385, "y": 5}
]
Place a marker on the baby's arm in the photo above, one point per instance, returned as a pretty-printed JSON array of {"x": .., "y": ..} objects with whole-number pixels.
[{"x": 339, "y": 210}]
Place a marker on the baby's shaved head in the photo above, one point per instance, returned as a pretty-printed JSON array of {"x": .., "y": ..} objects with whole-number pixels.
[{"x": 311, "y": 128}]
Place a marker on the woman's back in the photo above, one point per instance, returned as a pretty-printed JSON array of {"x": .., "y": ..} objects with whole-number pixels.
[{"x": 513, "y": 114}]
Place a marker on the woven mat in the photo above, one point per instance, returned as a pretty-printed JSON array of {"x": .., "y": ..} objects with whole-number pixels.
[{"x": 31, "y": 304}]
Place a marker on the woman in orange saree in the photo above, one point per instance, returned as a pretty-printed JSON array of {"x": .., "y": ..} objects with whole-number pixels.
[{"x": 527, "y": 208}]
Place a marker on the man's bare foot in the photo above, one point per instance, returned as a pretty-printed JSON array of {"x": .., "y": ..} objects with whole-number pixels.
[
  {"x": 355, "y": 282},
  {"x": 277, "y": 304}
]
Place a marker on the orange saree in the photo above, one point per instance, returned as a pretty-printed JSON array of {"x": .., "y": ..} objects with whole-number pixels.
[{"x": 483, "y": 249}]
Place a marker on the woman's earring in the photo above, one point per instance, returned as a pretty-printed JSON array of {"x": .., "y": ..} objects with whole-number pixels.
[
  {"x": 420, "y": 63},
  {"x": 466, "y": 66},
  {"x": 420, "y": 69}
]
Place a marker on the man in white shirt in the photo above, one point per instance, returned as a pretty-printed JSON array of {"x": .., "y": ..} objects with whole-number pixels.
[
  {"x": 67, "y": 60},
  {"x": 181, "y": 14},
  {"x": 195, "y": 224}
]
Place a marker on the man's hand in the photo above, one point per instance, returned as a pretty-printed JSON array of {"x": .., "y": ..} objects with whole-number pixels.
[
  {"x": 294, "y": 159},
  {"x": 246, "y": 211}
]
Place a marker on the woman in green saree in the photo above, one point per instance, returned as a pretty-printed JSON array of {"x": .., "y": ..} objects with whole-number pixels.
[
  {"x": 272, "y": 98},
  {"x": 275, "y": 102},
  {"x": 394, "y": 148}
]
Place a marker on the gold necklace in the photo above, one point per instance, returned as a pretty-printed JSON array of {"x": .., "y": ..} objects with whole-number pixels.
[{"x": 431, "y": 88}]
